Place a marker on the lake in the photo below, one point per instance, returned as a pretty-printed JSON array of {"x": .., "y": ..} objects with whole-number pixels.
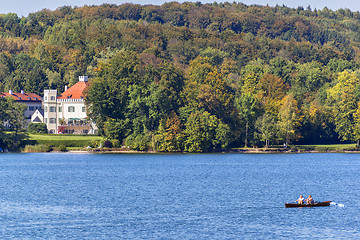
[{"x": 178, "y": 196}]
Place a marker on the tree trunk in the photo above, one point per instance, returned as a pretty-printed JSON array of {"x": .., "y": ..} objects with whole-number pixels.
[
  {"x": 246, "y": 134},
  {"x": 287, "y": 136}
]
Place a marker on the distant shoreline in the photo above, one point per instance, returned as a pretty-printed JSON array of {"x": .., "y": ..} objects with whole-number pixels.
[
  {"x": 249, "y": 151},
  {"x": 292, "y": 149}
]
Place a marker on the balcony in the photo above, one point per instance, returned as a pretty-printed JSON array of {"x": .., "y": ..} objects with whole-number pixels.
[{"x": 75, "y": 126}]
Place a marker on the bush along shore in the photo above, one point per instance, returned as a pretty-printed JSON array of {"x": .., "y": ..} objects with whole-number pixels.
[
  {"x": 106, "y": 146},
  {"x": 97, "y": 144}
]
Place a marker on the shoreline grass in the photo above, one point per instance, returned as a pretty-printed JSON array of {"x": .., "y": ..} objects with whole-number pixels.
[
  {"x": 303, "y": 148},
  {"x": 37, "y": 148},
  {"x": 329, "y": 147}
]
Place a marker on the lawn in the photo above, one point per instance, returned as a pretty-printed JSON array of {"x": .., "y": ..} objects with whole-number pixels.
[
  {"x": 57, "y": 140},
  {"x": 63, "y": 137},
  {"x": 336, "y": 147}
]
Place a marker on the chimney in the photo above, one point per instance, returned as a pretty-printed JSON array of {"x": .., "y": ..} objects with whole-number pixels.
[
  {"x": 22, "y": 92},
  {"x": 83, "y": 78},
  {"x": 10, "y": 92},
  {"x": 65, "y": 88}
]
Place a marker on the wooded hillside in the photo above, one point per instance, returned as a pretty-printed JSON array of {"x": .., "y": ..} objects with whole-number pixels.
[{"x": 196, "y": 77}]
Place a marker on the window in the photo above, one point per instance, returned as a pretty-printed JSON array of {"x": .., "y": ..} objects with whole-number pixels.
[
  {"x": 52, "y": 120},
  {"x": 52, "y": 109},
  {"x": 71, "y": 109},
  {"x": 83, "y": 109},
  {"x": 45, "y": 120},
  {"x": 45, "y": 109},
  {"x": 60, "y": 109},
  {"x": 52, "y": 98},
  {"x": 85, "y": 131},
  {"x": 45, "y": 98},
  {"x": 31, "y": 108}
]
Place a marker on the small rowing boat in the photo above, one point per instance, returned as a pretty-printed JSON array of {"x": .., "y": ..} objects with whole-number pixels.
[{"x": 315, "y": 204}]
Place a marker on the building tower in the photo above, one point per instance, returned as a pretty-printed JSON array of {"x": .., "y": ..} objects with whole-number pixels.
[{"x": 50, "y": 111}]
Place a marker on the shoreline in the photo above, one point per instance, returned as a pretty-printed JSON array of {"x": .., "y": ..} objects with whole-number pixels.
[
  {"x": 248, "y": 151},
  {"x": 224, "y": 152},
  {"x": 235, "y": 150}
]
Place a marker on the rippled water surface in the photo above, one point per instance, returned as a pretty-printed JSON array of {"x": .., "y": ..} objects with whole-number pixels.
[{"x": 184, "y": 196}]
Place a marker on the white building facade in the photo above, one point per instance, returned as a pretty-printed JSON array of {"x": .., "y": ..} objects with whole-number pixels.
[{"x": 66, "y": 113}]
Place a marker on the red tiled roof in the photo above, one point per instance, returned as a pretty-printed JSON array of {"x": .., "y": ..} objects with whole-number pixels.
[
  {"x": 75, "y": 92},
  {"x": 28, "y": 97}
]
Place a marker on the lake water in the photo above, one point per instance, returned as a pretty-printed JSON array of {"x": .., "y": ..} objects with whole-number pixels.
[{"x": 177, "y": 196}]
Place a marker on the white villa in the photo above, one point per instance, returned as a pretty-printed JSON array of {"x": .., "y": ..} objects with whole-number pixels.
[{"x": 66, "y": 113}]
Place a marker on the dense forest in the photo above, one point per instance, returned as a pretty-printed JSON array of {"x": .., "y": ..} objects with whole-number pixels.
[{"x": 196, "y": 77}]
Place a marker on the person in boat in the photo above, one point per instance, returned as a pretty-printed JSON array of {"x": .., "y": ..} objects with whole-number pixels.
[
  {"x": 309, "y": 200},
  {"x": 300, "y": 200}
]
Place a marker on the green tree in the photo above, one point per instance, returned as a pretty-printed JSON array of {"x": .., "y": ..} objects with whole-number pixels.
[
  {"x": 266, "y": 128},
  {"x": 108, "y": 93},
  {"x": 308, "y": 78},
  {"x": 170, "y": 138},
  {"x": 206, "y": 89},
  {"x": 204, "y": 132},
  {"x": 26, "y": 74},
  {"x": 15, "y": 113},
  {"x": 270, "y": 92},
  {"x": 12, "y": 115},
  {"x": 249, "y": 109},
  {"x": 281, "y": 68},
  {"x": 3, "y": 107},
  {"x": 251, "y": 75},
  {"x": 216, "y": 56},
  {"x": 37, "y": 128},
  {"x": 357, "y": 124},
  {"x": 116, "y": 128},
  {"x": 343, "y": 100},
  {"x": 318, "y": 126},
  {"x": 289, "y": 119}
]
